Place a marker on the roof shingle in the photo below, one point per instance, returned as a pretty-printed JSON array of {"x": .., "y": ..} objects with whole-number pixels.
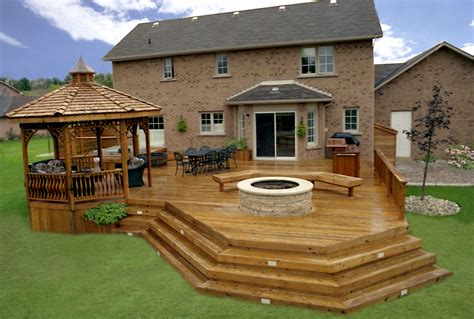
[{"x": 305, "y": 23}]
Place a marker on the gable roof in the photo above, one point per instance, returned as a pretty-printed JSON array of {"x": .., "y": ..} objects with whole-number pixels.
[
  {"x": 385, "y": 73},
  {"x": 274, "y": 92},
  {"x": 18, "y": 101},
  {"x": 299, "y": 24},
  {"x": 76, "y": 101}
]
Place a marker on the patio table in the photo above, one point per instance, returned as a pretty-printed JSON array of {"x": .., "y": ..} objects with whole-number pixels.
[{"x": 196, "y": 158}]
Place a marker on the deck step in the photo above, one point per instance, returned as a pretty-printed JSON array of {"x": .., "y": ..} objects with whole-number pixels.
[
  {"x": 179, "y": 263},
  {"x": 336, "y": 285},
  {"x": 197, "y": 238},
  {"x": 314, "y": 262},
  {"x": 137, "y": 210},
  {"x": 195, "y": 256},
  {"x": 382, "y": 292}
]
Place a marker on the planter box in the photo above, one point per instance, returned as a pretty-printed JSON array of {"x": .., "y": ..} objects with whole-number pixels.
[{"x": 243, "y": 155}]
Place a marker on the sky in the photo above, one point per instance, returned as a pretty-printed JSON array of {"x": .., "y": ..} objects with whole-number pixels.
[{"x": 44, "y": 38}]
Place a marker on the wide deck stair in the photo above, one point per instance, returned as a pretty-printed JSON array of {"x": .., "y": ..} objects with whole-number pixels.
[{"x": 370, "y": 271}]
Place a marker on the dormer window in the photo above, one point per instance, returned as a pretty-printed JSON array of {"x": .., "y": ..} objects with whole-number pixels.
[
  {"x": 168, "y": 69},
  {"x": 319, "y": 60},
  {"x": 222, "y": 64}
]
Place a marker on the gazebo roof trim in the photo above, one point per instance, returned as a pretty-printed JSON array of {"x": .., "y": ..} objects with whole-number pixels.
[{"x": 75, "y": 101}]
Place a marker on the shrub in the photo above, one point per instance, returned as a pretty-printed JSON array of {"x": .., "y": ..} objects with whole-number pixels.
[
  {"x": 11, "y": 135},
  {"x": 461, "y": 156},
  {"x": 301, "y": 129},
  {"x": 181, "y": 126},
  {"x": 241, "y": 144},
  {"x": 106, "y": 213}
]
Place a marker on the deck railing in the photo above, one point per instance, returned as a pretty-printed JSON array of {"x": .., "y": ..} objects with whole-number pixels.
[
  {"x": 393, "y": 180},
  {"x": 85, "y": 186},
  {"x": 97, "y": 185},
  {"x": 83, "y": 161}
]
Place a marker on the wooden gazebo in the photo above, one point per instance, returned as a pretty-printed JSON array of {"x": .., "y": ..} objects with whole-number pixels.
[{"x": 56, "y": 200}]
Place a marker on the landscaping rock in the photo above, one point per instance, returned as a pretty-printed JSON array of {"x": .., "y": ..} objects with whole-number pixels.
[{"x": 431, "y": 206}]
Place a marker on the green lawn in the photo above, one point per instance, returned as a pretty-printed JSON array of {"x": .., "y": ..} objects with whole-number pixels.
[{"x": 108, "y": 276}]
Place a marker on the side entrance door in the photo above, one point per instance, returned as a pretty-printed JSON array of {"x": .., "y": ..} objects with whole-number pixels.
[{"x": 401, "y": 121}]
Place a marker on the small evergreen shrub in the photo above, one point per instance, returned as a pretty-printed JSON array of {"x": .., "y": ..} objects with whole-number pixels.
[
  {"x": 301, "y": 129},
  {"x": 181, "y": 126},
  {"x": 106, "y": 213}
]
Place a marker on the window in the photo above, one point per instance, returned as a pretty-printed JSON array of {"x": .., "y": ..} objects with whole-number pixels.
[
  {"x": 212, "y": 123},
  {"x": 326, "y": 64},
  {"x": 168, "y": 69},
  {"x": 222, "y": 64},
  {"x": 156, "y": 123},
  {"x": 312, "y": 127},
  {"x": 241, "y": 127},
  {"x": 308, "y": 61},
  {"x": 322, "y": 57},
  {"x": 351, "y": 120}
]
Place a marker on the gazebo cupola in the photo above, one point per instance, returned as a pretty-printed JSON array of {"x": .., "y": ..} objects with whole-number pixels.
[
  {"x": 80, "y": 108},
  {"x": 81, "y": 72}
]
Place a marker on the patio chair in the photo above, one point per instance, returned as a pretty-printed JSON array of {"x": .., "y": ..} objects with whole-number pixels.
[
  {"x": 231, "y": 150},
  {"x": 205, "y": 148},
  {"x": 181, "y": 162},
  {"x": 210, "y": 160},
  {"x": 136, "y": 167}
]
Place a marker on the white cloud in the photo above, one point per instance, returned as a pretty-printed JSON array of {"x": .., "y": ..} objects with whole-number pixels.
[
  {"x": 126, "y": 5},
  {"x": 85, "y": 23},
  {"x": 468, "y": 47},
  {"x": 472, "y": 23},
  {"x": 392, "y": 48},
  {"x": 194, "y": 8},
  {"x": 11, "y": 41}
]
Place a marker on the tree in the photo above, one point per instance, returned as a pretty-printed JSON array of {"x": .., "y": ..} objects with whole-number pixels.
[
  {"x": 23, "y": 84},
  {"x": 103, "y": 79},
  {"x": 426, "y": 128}
]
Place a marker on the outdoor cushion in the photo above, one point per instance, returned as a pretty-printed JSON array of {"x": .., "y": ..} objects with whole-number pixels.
[{"x": 135, "y": 162}]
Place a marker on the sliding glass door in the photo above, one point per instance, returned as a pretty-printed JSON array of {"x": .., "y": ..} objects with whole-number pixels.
[{"x": 275, "y": 135}]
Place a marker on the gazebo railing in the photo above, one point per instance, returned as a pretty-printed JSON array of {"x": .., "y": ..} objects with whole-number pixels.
[
  {"x": 84, "y": 187},
  {"x": 97, "y": 185},
  {"x": 49, "y": 187}
]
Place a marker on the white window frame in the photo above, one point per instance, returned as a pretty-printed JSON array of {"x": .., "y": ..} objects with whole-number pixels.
[
  {"x": 318, "y": 56},
  {"x": 156, "y": 123},
  {"x": 222, "y": 64},
  {"x": 344, "y": 123},
  {"x": 241, "y": 124},
  {"x": 304, "y": 55},
  {"x": 212, "y": 125},
  {"x": 312, "y": 128},
  {"x": 168, "y": 69}
]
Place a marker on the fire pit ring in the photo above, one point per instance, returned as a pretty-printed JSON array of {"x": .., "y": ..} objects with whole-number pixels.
[{"x": 275, "y": 196}]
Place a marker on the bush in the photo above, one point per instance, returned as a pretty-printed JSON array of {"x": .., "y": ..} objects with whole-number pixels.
[
  {"x": 241, "y": 144},
  {"x": 11, "y": 135},
  {"x": 461, "y": 156},
  {"x": 106, "y": 213}
]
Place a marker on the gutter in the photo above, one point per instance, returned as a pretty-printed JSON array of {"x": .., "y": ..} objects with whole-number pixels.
[{"x": 259, "y": 102}]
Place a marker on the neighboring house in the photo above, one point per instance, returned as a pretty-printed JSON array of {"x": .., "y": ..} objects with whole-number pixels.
[
  {"x": 11, "y": 90},
  {"x": 7, "y": 127},
  {"x": 257, "y": 74},
  {"x": 398, "y": 87}
]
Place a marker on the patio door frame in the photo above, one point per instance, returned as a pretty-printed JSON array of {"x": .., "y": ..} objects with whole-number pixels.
[{"x": 274, "y": 112}]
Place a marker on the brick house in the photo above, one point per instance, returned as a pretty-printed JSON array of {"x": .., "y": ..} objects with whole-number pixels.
[
  {"x": 398, "y": 87},
  {"x": 257, "y": 74}
]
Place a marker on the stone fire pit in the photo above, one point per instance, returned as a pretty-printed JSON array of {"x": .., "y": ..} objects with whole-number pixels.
[{"x": 275, "y": 196}]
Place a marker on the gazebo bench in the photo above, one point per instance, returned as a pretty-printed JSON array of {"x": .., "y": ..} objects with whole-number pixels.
[{"x": 348, "y": 182}]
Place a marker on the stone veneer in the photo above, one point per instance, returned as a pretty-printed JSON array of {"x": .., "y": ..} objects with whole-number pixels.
[
  {"x": 454, "y": 73},
  {"x": 196, "y": 89},
  {"x": 295, "y": 201}
]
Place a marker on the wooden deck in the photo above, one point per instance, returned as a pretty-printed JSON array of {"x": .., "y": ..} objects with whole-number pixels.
[{"x": 349, "y": 252}]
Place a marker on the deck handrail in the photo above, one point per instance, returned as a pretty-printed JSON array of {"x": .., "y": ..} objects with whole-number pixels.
[{"x": 393, "y": 180}]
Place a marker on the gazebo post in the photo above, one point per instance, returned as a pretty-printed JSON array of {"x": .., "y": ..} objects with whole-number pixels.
[
  {"x": 68, "y": 165},
  {"x": 98, "y": 134},
  {"x": 136, "y": 141},
  {"x": 148, "y": 156},
  {"x": 24, "y": 148},
  {"x": 124, "y": 157}
]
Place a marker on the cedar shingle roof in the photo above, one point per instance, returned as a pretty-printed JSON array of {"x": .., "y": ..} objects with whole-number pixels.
[
  {"x": 299, "y": 24},
  {"x": 272, "y": 92},
  {"x": 79, "y": 100}
]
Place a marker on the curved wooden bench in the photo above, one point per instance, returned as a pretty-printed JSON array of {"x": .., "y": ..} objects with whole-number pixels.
[{"x": 329, "y": 178}]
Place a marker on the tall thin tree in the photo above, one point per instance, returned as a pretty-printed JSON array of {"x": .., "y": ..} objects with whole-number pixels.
[{"x": 425, "y": 133}]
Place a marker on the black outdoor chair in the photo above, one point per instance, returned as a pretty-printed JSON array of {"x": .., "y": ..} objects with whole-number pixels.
[
  {"x": 205, "y": 148},
  {"x": 135, "y": 173},
  {"x": 182, "y": 162}
]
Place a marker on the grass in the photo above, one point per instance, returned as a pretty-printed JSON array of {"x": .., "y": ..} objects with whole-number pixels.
[{"x": 46, "y": 275}]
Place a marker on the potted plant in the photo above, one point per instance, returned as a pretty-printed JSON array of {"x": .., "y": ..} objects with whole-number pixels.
[
  {"x": 181, "y": 126},
  {"x": 106, "y": 214},
  {"x": 301, "y": 129},
  {"x": 242, "y": 153}
]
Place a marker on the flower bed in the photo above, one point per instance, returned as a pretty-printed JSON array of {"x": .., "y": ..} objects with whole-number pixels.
[{"x": 461, "y": 156}]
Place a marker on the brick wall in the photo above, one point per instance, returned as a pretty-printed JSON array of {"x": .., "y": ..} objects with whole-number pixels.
[
  {"x": 195, "y": 89},
  {"x": 454, "y": 73},
  {"x": 6, "y": 126}
]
